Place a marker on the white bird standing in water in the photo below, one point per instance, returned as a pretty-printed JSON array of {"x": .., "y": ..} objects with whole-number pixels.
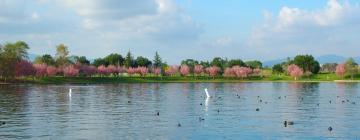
[
  {"x": 207, "y": 93},
  {"x": 70, "y": 91}
]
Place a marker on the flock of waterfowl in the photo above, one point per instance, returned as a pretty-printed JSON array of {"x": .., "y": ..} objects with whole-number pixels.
[{"x": 286, "y": 123}]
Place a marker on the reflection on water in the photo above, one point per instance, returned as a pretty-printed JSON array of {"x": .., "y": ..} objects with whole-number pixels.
[{"x": 129, "y": 111}]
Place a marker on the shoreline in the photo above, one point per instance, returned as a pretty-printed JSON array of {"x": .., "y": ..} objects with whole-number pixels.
[{"x": 118, "y": 80}]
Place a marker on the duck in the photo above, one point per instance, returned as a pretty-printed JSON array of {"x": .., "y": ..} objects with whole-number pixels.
[
  {"x": 257, "y": 109},
  {"x": 286, "y": 123},
  {"x": 330, "y": 128}
]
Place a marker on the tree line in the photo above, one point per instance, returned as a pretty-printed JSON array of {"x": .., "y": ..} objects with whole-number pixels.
[{"x": 14, "y": 63}]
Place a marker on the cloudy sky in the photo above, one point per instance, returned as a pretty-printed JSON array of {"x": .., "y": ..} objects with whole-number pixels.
[{"x": 179, "y": 29}]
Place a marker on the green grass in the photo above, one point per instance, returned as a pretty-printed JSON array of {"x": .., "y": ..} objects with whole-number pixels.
[{"x": 322, "y": 77}]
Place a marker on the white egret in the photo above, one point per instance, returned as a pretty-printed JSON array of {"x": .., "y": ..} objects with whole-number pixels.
[
  {"x": 207, "y": 93},
  {"x": 70, "y": 91}
]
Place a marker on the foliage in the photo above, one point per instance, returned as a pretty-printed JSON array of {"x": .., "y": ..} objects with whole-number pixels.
[
  {"x": 254, "y": 64},
  {"x": 307, "y": 63},
  {"x": 157, "y": 60},
  {"x": 129, "y": 60},
  {"x": 277, "y": 69},
  {"x": 328, "y": 67},
  {"x": 235, "y": 62},
  {"x": 62, "y": 53},
  {"x": 142, "y": 62},
  {"x": 45, "y": 59}
]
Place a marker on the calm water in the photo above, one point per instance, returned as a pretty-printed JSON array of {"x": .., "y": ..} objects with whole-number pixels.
[{"x": 128, "y": 111}]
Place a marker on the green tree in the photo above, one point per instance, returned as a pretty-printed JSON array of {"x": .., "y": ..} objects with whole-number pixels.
[
  {"x": 11, "y": 53},
  {"x": 157, "y": 60},
  {"x": 254, "y": 64},
  {"x": 235, "y": 62},
  {"x": 142, "y": 61},
  {"x": 114, "y": 59},
  {"x": 62, "y": 53},
  {"x": 45, "y": 59},
  {"x": 205, "y": 64},
  {"x": 190, "y": 63},
  {"x": 307, "y": 63},
  {"x": 82, "y": 60},
  {"x": 98, "y": 62},
  {"x": 351, "y": 67},
  {"x": 277, "y": 69},
  {"x": 219, "y": 62},
  {"x": 129, "y": 60}
]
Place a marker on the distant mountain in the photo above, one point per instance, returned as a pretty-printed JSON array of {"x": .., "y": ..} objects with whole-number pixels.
[{"x": 331, "y": 58}]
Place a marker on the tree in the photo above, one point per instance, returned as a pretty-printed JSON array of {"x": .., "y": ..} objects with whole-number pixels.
[
  {"x": 129, "y": 60},
  {"x": 235, "y": 62},
  {"x": 142, "y": 62},
  {"x": 198, "y": 69},
  {"x": 219, "y": 62},
  {"x": 340, "y": 70},
  {"x": 277, "y": 69},
  {"x": 205, "y": 64},
  {"x": 156, "y": 71},
  {"x": 82, "y": 60},
  {"x": 228, "y": 72},
  {"x": 351, "y": 67},
  {"x": 114, "y": 59},
  {"x": 307, "y": 63},
  {"x": 157, "y": 60},
  {"x": 24, "y": 68},
  {"x": 329, "y": 67},
  {"x": 295, "y": 71},
  {"x": 190, "y": 63},
  {"x": 242, "y": 72},
  {"x": 51, "y": 71},
  {"x": 45, "y": 59},
  {"x": 41, "y": 69},
  {"x": 143, "y": 71},
  {"x": 62, "y": 53},
  {"x": 254, "y": 64},
  {"x": 213, "y": 71},
  {"x": 98, "y": 62},
  {"x": 184, "y": 70},
  {"x": 70, "y": 71},
  {"x": 11, "y": 54}
]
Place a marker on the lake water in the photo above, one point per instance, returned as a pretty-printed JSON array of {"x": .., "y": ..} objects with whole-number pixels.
[{"x": 129, "y": 111}]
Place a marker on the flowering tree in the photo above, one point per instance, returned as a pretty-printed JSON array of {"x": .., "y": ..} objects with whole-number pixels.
[
  {"x": 340, "y": 70},
  {"x": 70, "y": 71},
  {"x": 171, "y": 70},
  {"x": 111, "y": 69},
  {"x": 156, "y": 71},
  {"x": 257, "y": 72},
  {"x": 102, "y": 70},
  {"x": 143, "y": 71},
  {"x": 184, "y": 70},
  {"x": 242, "y": 72},
  {"x": 131, "y": 71},
  {"x": 121, "y": 69},
  {"x": 295, "y": 71},
  {"x": 198, "y": 69},
  {"x": 51, "y": 71},
  {"x": 88, "y": 70},
  {"x": 24, "y": 68},
  {"x": 212, "y": 71},
  {"x": 229, "y": 72},
  {"x": 40, "y": 69}
]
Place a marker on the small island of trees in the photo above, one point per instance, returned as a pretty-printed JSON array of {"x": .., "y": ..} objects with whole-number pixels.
[{"x": 15, "y": 67}]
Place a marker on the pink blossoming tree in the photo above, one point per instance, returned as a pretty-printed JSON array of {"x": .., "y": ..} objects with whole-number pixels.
[
  {"x": 340, "y": 70},
  {"x": 51, "y": 71},
  {"x": 70, "y": 71},
  {"x": 184, "y": 70},
  {"x": 198, "y": 69},
  {"x": 40, "y": 69},
  {"x": 295, "y": 71},
  {"x": 24, "y": 68}
]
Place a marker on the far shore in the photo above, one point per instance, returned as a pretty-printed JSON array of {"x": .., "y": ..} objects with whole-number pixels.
[{"x": 115, "y": 80}]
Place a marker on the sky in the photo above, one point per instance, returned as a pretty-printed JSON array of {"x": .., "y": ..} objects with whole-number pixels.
[{"x": 181, "y": 29}]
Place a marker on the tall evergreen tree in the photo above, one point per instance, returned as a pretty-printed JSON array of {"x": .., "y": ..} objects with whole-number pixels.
[
  {"x": 157, "y": 60},
  {"x": 129, "y": 60}
]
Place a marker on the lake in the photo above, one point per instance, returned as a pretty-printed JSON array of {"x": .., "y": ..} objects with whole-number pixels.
[{"x": 181, "y": 111}]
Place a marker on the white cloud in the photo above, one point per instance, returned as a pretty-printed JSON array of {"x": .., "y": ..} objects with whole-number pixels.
[{"x": 294, "y": 30}]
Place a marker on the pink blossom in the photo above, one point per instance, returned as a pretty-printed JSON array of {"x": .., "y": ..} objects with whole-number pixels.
[
  {"x": 51, "y": 71},
  {"x": 121, "y": 69},
  {"x": 198, "y": 69},
  {"x": 156, "y": 71},
  {"x": 24, "y": 68},
  {"x": 212, "y": 71},
  {"x": 131, "y": 71},
  {"x": 88, "y": 70},
  {"x": 40, "y": 69},
  {"x": 184, "y": 70},
  {"x": 172, "y": 70},
  {"x": 103, "y": 70},
  {"x": 242, "y": 72},
  {"x": 295, "y": 71},
  {"x": 112, "y": 69},
  {"x": 340, "y": 70},
  {"x": 229, "y": 72},
  {"x": 143, "y": 71},
  {"x": 257, "y": 71},
  {"x": 70, "y": 71}
]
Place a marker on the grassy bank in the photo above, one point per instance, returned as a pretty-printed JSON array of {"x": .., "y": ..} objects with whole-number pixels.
[{"x": 179, "y": 79}]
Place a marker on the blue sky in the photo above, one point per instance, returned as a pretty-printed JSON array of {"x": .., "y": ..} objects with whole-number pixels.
[{"x": 180, "y": 29}]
